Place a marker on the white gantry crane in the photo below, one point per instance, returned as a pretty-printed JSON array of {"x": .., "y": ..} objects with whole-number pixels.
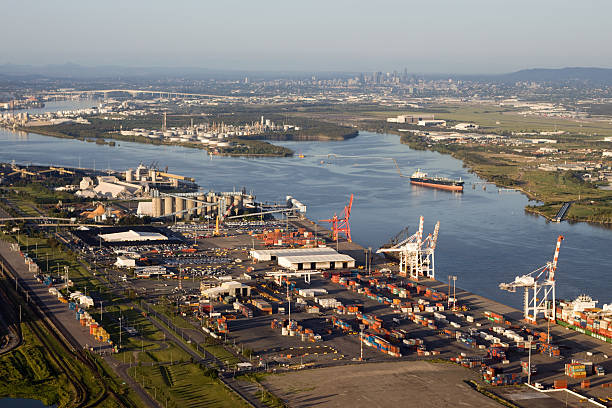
[
  {"x": 542, "y": 282},
  {"x": 416, "y": 255}
]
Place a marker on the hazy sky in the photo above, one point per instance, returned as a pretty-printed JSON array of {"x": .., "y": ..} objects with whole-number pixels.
[{"x": 450, "y": 36}]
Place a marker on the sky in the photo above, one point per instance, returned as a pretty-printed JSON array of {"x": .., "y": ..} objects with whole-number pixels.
[{"x": 434, "y": 36}]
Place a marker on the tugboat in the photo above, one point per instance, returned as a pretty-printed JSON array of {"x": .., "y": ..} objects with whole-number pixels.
[{"x": 421, "y": 179}]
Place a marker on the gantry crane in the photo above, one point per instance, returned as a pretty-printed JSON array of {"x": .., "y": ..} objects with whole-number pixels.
[
  {"x": 416, "y": 255},
  {"x": 341, "y": 224},
  {"x": 542, "y": 282}
]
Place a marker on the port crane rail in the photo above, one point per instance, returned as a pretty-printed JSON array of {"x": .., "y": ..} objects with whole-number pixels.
[{"x": 542, "y": 282}]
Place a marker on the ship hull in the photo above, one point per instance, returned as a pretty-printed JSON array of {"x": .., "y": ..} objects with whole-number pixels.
[
  {"x": 448, "y": 187},
  {"x": 584, "y": 331}
]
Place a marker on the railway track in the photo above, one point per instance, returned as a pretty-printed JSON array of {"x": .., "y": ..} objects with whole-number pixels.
[{"x": 44, "y": 328}]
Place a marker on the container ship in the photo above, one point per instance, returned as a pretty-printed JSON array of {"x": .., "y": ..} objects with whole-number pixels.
[
  {"x": 582, "y": 315},
  {"x": 421, "y": 179}
]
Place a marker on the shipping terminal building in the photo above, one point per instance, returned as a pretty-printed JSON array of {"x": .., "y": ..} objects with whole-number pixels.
[{"x": 323, "y": 258}]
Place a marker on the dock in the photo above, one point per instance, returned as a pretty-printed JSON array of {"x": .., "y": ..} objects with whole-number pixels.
[{"x": 562, "y": 211}]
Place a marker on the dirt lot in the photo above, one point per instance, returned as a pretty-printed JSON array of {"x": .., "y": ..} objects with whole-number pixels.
[{"x": 402, "y": 384}]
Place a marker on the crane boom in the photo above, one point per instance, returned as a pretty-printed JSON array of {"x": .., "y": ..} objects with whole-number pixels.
[{"x": 553, "y": 267}]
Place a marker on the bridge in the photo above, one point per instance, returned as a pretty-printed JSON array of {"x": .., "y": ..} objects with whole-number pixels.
[{"x": 134, "y": 92}]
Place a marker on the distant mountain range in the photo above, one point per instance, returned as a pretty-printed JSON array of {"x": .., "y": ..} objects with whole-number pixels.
[
  {"x": 80, "y": 72},
  {"x": 598, "y": 75}
]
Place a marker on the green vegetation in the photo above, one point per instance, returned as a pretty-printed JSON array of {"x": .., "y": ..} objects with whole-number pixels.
[
  {"x": 27, "y": 373},
  {"x": 42, "y": 368},
  {"x": 185, "y": 385},
  {"x": 550, "y": 188}
]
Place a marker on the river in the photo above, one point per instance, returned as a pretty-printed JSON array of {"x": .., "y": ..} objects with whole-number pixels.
[{"x": 485, "y": 235}]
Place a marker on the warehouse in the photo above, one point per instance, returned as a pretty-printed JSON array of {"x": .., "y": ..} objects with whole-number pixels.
[
  {"x": 324, "y": 261},
  {"x": 132, "y": 235},
  {"x": 273, "y": 254},
  {"x": 232, "y": 288}
]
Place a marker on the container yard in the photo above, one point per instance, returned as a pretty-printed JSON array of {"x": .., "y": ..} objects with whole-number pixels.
[{"x": 299, "y": 296}]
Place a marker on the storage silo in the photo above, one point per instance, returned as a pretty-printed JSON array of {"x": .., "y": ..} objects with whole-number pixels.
[
  {"x": 179, "y": 206},
  {"x": 168, "y": 205},
  {"x": 129, "y": 175},
  {"x": 201, "y": 211},
  {"x": 190, "y": 205},
  {"x": 157, "y": 207}
]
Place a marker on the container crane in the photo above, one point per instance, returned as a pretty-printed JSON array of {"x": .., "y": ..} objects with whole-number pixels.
[
  {"x": 542, "y": 282},
  {"x": 416, "y": 255},
  {"x": 341, "y": 224}
]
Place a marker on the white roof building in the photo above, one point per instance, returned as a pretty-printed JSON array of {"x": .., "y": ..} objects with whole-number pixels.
[
  {"x": 325, "y": 261},
  {"x": 305, "y": 258},
  {"x": 231, "y": 288},
  {"x": 132, "y": 235},
  {"x": 125, "y": 262},
  {"x": 273, "y": 254}
]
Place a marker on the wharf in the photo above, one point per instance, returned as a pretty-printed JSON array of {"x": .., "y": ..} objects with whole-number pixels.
[{"x": 573, "y": 345}]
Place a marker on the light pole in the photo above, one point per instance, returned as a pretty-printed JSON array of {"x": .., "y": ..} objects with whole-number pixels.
[
  {"x": 361, "y": 327},
  {"x": 454, "y": 293},
  {"x": 120, "y": 332},
  {"x": 289, "y": 302},
  {"x": 454, "y": 279},
  {"x": 449, "y": 292},
  {"x": 530, "y": 338}
]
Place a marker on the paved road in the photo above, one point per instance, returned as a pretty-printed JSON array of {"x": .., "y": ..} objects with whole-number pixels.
[{"x": 121, "y": 370}]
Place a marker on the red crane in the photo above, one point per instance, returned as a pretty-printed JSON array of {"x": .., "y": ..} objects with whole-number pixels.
[{"x": 341, "y": 224}]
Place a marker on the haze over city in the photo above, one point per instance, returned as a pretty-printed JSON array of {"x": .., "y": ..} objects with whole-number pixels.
[{"x": 443, "y": 36}]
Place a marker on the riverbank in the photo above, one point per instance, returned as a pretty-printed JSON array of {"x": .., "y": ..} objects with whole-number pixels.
[
  {"x": 242, "y": 147},
  {"x": 550, "y": 189}
]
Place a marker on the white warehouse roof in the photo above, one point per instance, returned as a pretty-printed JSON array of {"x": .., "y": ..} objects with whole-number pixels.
[
  {"x": 132, "y": 235},
  {"x": 267, "y": 254},
  {"x": 317, "y": 258}
]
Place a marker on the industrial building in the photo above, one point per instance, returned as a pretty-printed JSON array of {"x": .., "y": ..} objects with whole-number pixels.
[
  {"x": 409, "y": 119},
  {"x": 190, "y": 205},
  {"x": 126, "y": 236},
  {"x": 125, "y": 262},
  {"x": 432, "y": 122},
  {"x": 263, "y": 255},
  {"x": 305, "y": 258},
  {"x": 131, "y": 235},
  {"x": 110, "y": 187},
  {"x": 231, "y": 288}
]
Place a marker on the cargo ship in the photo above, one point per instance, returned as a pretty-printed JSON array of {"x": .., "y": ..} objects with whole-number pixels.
[
  {"x": 582, "y": 316},
  {"x": 421, "y": 179}
]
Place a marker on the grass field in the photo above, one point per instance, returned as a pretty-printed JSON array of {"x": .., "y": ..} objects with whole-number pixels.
[
  {"x": 500, "y": 119},
  {"x": 185, "y": 385}
]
